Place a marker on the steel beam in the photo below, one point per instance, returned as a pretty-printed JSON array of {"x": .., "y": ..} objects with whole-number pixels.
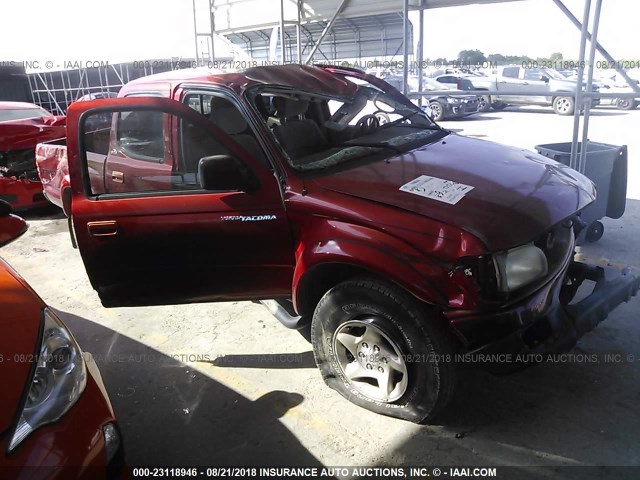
[
  {"x": 420, "y": 52},
  {"x": 213, "y": 30},
  {"x": 298, "y": 33},
  {"x": 578, "y": 102},
  {"x": 326, "y": 30},
  {"x": 405, "y": 47},
  {"x": 587, "y": 111},
  {"x": 195, "y": 29},
  {"x": 282, "y": 30},
  {"x": 600, "y": 48}
]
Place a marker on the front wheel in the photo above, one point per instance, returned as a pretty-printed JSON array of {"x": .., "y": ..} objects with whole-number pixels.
[
  {"x": 484, "y": 103},
  {"x": 564, "y": 105},
  {"x": 437, "y": 109},
  {"x": 376, "y": 346}
]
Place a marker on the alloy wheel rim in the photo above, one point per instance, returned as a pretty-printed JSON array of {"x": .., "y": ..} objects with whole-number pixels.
[
  {"x": 563, "y": 105},
  {"x": 370, "y": 360}
]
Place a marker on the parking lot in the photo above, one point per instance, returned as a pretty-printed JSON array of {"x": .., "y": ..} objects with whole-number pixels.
[{"x": 249, "y": 392}]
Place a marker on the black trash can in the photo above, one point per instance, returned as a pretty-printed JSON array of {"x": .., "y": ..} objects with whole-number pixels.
[{"x": 606, "y": 167}]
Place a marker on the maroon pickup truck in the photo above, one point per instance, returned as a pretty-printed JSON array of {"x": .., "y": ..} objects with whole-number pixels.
[{"x": 398, "y": 247}]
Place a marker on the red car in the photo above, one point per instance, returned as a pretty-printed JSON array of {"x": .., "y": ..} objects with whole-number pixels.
[
  {"x": 56, "y": 420},
  {"x": 395, "y": 247},
  {"x": 22, "y": 126}
]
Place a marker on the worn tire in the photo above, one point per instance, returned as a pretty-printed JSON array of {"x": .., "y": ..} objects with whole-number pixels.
[
  {"x": 564, "y": 105},
  {"x": 423, "y": 339},
  {"x": 499, "y": 106}
]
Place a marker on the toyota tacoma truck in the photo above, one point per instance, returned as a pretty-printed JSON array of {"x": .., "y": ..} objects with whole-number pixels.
[
  {"x": 395, "y": 248},
  {"x": 554, "y": 89}
]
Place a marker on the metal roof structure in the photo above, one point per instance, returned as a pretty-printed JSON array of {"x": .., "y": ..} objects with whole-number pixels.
[
  {"x": 355, "y": 28},
  {"x": 359, "y": 37},
  {"x": 232, "y": 16}
]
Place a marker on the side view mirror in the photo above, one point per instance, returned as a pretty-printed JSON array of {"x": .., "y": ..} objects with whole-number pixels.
[
  {"x": 224, "y": 173},
  {"x": 11, "y": 226},
  {"x": 5, "y": 208},
  {"x": 544, "y": 78}
]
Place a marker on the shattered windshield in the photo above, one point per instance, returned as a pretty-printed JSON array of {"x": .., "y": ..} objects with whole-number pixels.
[{"x": 320, "y": 131}]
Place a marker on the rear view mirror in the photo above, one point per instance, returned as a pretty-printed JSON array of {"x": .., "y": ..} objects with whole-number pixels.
[
  {"x": 544, "y": 78},
  {"x": 225, "y": 173}
]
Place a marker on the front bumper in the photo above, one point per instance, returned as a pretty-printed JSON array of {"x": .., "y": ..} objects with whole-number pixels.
[
  {"x": 546, "y": 322},
  {"x": 22, "y": 192},
  {"x": 457, "y": 110},
  {"x": 72, "y": 448}
]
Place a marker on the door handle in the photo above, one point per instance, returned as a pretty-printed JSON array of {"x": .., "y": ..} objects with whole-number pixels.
[
  {"x": 107, "y": 228},
  {"x": 117, "y": 177}
]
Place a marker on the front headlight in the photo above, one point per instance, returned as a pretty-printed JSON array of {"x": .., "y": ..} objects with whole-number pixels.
[
  {"x": 58, "y": 379},
  {"x": 519, "y": 266},
  {"x": 453, "y": 100}
]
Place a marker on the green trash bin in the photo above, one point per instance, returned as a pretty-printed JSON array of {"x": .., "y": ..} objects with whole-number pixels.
[{"x": 606, "y": 167}]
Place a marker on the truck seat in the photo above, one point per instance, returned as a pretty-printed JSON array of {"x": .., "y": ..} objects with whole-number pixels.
[
  {"x": 231, "y": 121},
  {"x": 298, "y": 136}
]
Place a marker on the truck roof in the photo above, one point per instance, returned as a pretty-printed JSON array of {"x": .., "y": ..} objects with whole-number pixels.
[{"x": 303, "y": 77}]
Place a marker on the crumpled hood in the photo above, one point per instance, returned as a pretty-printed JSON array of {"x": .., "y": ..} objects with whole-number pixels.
[
  {"x": 516, "y": 194},
  {"x": 19, "y": 328}
]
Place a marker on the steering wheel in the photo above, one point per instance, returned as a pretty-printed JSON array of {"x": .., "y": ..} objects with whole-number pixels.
[
  {"x": 382, "y": 116},
  {"x": 367, "y": 124}
]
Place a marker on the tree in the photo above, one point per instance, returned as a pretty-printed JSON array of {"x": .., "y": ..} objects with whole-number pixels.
[
  {"x": 496, "y": 58},
  {"x": 556, "y": 57},
  {"x": 471, "y": 57}
]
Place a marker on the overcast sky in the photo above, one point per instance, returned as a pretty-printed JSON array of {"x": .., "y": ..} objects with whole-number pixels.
[{"x": 127, "y": 30}]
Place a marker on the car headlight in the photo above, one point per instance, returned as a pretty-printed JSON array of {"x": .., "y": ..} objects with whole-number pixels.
[
  {"x": 453, "y": 100},
  {"x": 58, "y": 380},
  {"x": 519, "y": 266}
]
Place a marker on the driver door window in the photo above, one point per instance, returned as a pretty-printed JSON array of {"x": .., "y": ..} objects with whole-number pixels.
[{"x": 146, "y": 151}]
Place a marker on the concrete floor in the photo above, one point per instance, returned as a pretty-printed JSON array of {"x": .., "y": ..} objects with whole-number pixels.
[{"x": 225, "y": 383}]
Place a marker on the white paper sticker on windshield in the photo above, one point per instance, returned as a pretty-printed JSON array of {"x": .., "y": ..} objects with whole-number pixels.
[{"x": 437, "y": 189}]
